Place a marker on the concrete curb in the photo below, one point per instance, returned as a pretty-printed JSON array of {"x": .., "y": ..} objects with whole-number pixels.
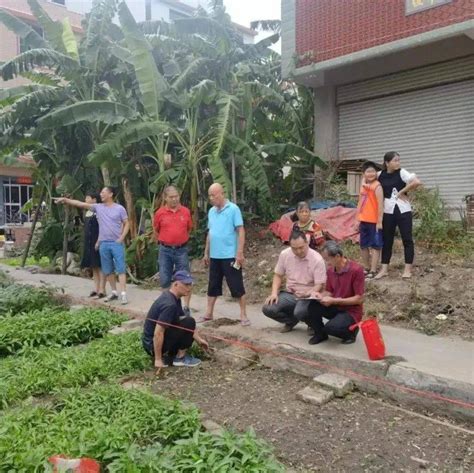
[{"x": 375, "y": 377}]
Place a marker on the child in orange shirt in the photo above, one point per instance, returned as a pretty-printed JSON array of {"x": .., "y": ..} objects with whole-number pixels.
[
  {"x": 312, "y": 230},
  {"x": 370, "y": 215}
]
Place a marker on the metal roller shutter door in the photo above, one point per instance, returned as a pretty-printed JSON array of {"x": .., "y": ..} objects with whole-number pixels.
[{"x": 432, "y": 129}]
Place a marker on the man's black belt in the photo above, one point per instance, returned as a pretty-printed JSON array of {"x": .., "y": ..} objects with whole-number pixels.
[{"x": 173, "y": 247}]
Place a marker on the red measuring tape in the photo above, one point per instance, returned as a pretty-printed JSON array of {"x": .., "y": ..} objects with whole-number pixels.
[{"x": 350, "y": 373}]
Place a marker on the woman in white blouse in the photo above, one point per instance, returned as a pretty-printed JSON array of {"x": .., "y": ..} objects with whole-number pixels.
[{"x": 396, "y": 183}]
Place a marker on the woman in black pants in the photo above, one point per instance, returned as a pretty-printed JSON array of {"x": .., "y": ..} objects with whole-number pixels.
[{"x": 396, "y": 183}]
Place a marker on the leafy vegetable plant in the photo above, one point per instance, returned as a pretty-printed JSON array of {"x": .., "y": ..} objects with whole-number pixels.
[
  {"x": 101, "y": 423},
  {"x": 127, "y": 431},
  {"x": 46, "y": 370},
  {"x": 54, "y": 326},
  {"x": 17, "y": 298}
]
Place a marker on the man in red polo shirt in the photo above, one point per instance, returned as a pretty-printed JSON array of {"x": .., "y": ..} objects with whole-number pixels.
[
  {"x": 172, "y": 224},
  {"x": 342, "y": 300}
]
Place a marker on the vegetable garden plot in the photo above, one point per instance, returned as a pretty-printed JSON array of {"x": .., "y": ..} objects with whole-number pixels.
[
  {"x": 17, "y": 298},
  {"x": 127, "y": 430},
  {"x": 46, "y": 370},
  {"x": 54, "y": 327}
]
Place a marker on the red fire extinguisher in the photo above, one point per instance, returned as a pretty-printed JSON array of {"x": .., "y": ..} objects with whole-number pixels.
[
  {"x": 77, "y": 465},
  {"x": 372, "y": 337}
]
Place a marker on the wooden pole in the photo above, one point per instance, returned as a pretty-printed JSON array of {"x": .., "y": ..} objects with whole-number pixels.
[
  {"x": 33, "y": 226},
  {"x": 65, "y": 238},
  {"x": 234, "y": 178}
]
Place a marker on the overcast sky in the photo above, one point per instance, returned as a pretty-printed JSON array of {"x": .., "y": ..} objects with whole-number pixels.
[{"x": 245, "y": 11}]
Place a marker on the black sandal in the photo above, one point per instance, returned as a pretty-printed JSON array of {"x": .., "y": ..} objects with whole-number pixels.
[
  {"x": 93, "y": 294},
  {"x": 101, "y": 295}
]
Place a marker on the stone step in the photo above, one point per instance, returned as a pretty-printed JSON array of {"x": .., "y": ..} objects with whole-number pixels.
[
  {"x": 338, "y": 384},
  {"x": 315, "y": 395}
]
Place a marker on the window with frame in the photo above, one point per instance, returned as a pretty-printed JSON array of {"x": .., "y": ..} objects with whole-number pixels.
[{"x": 15, "y": 196}]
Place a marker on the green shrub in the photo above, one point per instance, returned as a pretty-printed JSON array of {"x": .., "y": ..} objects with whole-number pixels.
[
  {"x": 54, "y": 326},
  {"x": 5, "y": 279},
  {"x": 17, "y": 298},
  {"x": 434, "y": 229},
  {"x": 101, "y": 423},
  {"x": 48, "y": 369}
]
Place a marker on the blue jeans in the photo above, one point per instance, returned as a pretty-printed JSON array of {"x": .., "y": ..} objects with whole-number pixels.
[
  {"x": 171, "y": 260},
  {"x": 112, "y": 257}
]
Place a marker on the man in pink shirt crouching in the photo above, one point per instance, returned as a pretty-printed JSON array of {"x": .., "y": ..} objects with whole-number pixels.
[{"x": 305, "y": 273}]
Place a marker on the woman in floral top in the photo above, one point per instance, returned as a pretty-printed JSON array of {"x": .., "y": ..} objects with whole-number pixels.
[{"x": 313, "y": 230}]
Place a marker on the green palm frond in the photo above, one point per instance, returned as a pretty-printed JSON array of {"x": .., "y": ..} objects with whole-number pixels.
[
  {"x": 151, "y": 83},
  {"x": 69, "y": 40},
  {"x": 30, "y": 105},
  {"x": 180, "y": 83},
  {"x": 266, "y": 25},
  {"x": 10, "y": 95},
  {"x": 53, "y": 30},
  {"x": 91, "y": 111},
  {"x": 132, "y": 132},
  {"x": 290, "y": 151},
  {"x": 255, "y": 178},
  {"x": 156, "y": 27},
  {"x": 227, "y": 106},
  {"x": 206, "y": 27},
  {"x": 41, "y": 78},
  {"x": 98, "y": 26},
  {"x": 27, "y": 61}
]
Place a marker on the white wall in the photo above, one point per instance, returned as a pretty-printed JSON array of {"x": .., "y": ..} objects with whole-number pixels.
[
  {"x": 137, "y": 7},
  {"x": 160, "y": 11}
]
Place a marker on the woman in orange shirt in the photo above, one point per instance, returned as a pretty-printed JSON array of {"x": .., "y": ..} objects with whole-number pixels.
[{"x": 370, "y": 215}]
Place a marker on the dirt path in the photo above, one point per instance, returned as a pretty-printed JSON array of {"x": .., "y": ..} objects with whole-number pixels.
[{"x": 357, "y": 433}]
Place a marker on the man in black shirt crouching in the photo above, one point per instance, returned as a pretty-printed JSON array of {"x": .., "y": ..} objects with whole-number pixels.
[{"x": 167, "y": 332}]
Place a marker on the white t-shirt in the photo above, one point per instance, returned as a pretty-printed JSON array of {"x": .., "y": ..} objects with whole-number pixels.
[{"x": 393, "y": 200}]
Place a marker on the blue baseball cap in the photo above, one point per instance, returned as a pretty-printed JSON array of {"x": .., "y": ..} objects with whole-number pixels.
[{"x": 183, "y": 276}]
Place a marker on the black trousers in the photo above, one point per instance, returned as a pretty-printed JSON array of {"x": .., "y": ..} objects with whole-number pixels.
[
  {"x": 288, "y": 310},
  {"x": 404, "y": 221},
  {"x": 338, "y": 324},
  {"x": 175, "y": 339}
]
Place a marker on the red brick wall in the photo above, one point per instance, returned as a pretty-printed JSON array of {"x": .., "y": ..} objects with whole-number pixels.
[{"x": 326, "y": 29}]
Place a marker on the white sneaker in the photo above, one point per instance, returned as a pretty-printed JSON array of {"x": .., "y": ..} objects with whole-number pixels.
[
  {"x": 123, "y": 298},
  {"x": 112, "y": 297}
]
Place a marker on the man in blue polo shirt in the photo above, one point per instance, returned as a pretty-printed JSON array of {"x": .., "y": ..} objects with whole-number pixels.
[{"x": 224, "y": 253}]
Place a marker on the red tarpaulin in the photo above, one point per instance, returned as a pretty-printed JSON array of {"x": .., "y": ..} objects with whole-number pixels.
[{"x": 339, "y": 223}]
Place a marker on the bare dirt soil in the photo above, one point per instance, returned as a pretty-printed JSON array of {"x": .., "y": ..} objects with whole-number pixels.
[
  {"x": 358, "y": 433},
  {"x": 442, "y": 284}
]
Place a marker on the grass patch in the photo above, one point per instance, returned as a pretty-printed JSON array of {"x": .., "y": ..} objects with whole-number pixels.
[
  {"x": 54, "y": 327},
  {"x": 48, "y": 369},
  {"x": 43, "y": 262},
  {"x": 18, "y": 298},
  {"x": 127, "y": 431}
]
